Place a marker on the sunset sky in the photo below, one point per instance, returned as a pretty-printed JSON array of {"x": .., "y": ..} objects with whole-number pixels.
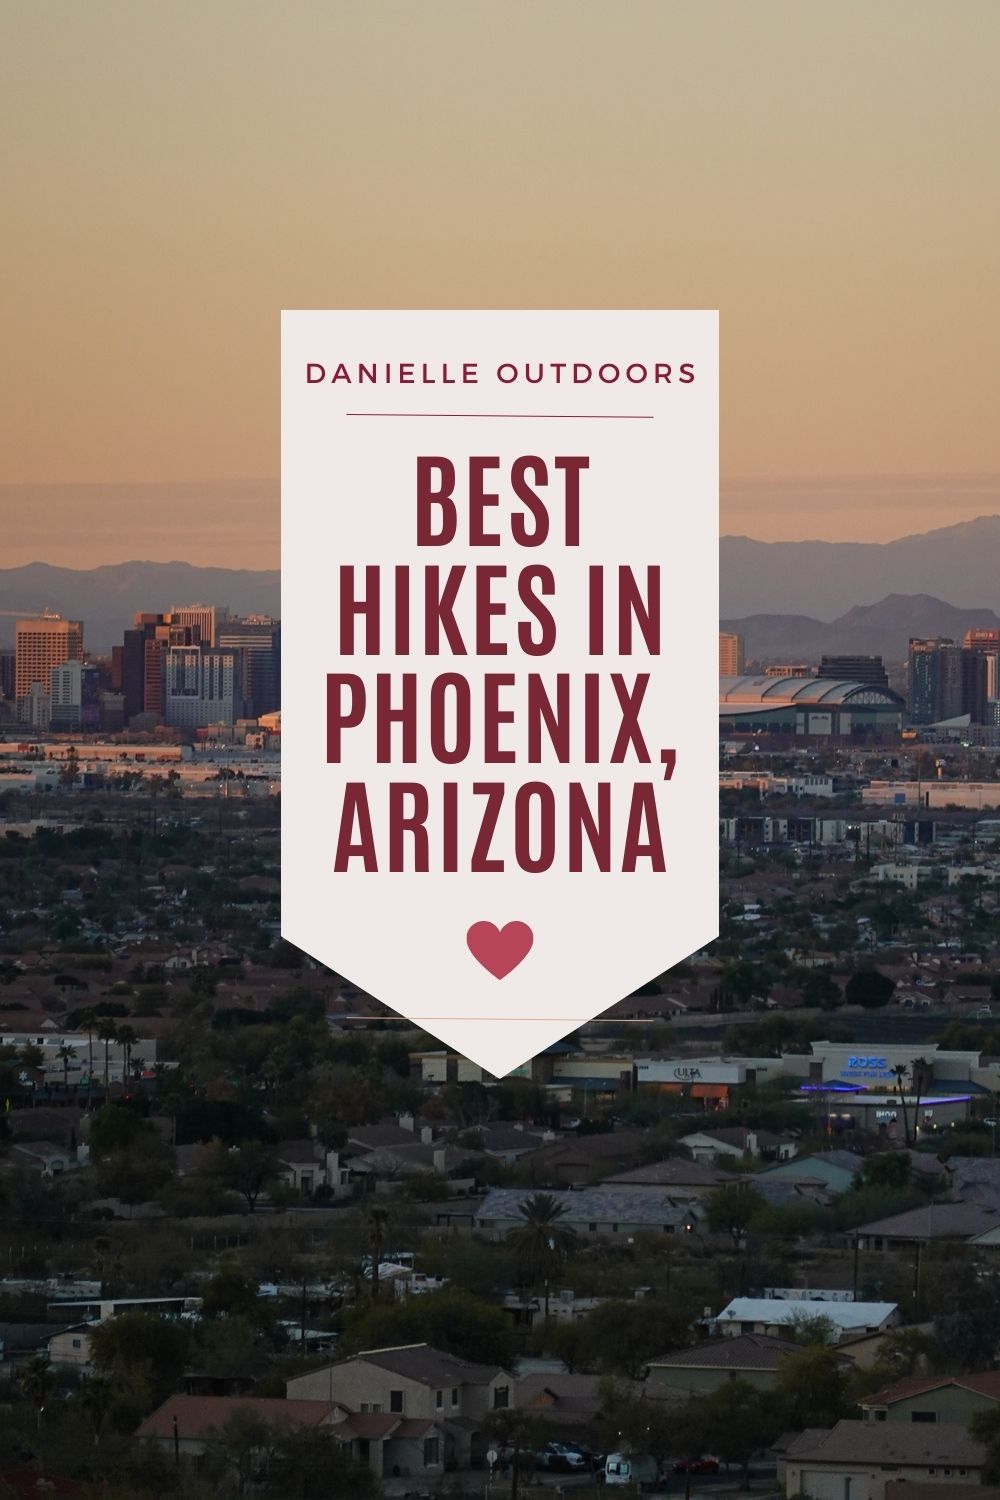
[{"x": 175, "y": 174}]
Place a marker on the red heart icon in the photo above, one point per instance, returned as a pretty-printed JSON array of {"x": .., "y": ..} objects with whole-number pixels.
[{"x": 499, "y": 949}]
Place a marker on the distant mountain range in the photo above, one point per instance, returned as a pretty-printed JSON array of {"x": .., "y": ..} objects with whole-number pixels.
[
  {"x": 881, "y": 629},
  {"x": 107, "y": 598},
  {"x": 958, "y": 564},
  {"x": 788, "y": 599}
]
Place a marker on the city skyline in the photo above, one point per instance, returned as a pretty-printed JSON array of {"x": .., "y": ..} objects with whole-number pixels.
[{"x": 815, "y": 174}]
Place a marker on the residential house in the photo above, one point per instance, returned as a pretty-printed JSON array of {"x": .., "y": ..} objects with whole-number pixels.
[
  {"x": 578, "y": 1160},
  {"x": 834, "y": 1170},
  {"x": 20, "y": 1342},
  {"x": 934, "y": 1398},
  {"x": 753, "y": 1357},
  {"x": 771, "y": 1315},
  {"x": 69, "y": 1349},
  {"x": 738, "y": 1142},
  {"x": 509, "y": 1143},
  {"x": 571, "y": 1404},
  {"x": 420, "y": 1384},
  {"x": 305, "y": 1166},
  {"x": 682, "y": 1178},
  {"x": 930, "y": 1222},
  {"x": 593, "y": 1212},
  {"x": 860, "y": 1459},
  {"x": 184, "y": 1424}
]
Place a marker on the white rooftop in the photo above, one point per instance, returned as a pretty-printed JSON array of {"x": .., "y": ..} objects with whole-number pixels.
[{"x": 843, "y": 1315}]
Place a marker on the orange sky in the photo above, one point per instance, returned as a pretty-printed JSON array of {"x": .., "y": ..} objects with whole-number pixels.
[{"x": 175, "y": 174}]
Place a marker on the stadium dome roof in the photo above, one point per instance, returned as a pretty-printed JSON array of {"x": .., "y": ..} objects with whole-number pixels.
[{"x": 742, "y": 693}]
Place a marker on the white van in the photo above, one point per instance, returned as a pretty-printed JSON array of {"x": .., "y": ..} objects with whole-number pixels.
[{"x": 636, "y": 1469}]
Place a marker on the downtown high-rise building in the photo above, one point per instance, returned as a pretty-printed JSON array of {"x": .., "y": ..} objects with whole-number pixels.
[
  {"x": 867, "y": 669},
  {"x": 732, "y": 658},
  {"x": 138, "y": 670},
  {"x": 40, "y": 645},
  {"x": 946, "y": 681},
  {"x": 258, "y": 637},
  {"x": 202, "y": 686},
  {"x": 74, "y": 697},
  {"x": 207, "y": 618}
]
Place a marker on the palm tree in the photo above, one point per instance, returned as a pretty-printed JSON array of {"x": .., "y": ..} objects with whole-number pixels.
[
  {"x": 89, "y": 1020},
  {"x": 921, "y": 1072},
  {"x": 900, "y": 1071},
  {"x": 541, "y": 1243},
  {"x": 107, "y": 1032},
  {"x": 95, "y": 1398},
  {"x": 127, "y": 1037},
  {"x": 66, "y": 1055},
  {"x": 378, "y": 1218}
]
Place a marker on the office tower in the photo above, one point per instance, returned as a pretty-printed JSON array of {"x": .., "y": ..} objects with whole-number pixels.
[
  {"x": 202, "y": 686},
  {"x": 7, "y": 674},
  {"x": 42, "y": 644},
  {"x": 207, "y": 617},
  {"x": 74, "y": 697},
  {"x": 867, "y": 669},
  {"x": 981, "y": 640},
  {"x": 732, "y": 660},
  {"x": 259, "y": 639},
  {"x": 117, "y": 674},
  {"x": 936, "y": 680},
  {"x": 789, "y": 669},
  {"x": 984, "y": 644},
  {"x": 975, "y": 679},
  {"x": 143, "y": 656}
]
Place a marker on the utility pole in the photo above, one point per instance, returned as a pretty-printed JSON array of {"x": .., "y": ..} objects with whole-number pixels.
[{"x": 854, "y": 1277}]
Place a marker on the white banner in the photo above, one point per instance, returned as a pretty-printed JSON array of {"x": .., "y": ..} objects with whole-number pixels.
[{"x": 499, "y": 642}]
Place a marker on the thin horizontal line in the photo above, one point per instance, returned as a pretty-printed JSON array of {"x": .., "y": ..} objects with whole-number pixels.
[
  {"x": 513, "y": 1020},
  {"x": 515, "y": 416}
]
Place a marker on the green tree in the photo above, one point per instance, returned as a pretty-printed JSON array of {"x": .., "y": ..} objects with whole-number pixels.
[
  {"x": 515, "y": 1435},
  {"x": 247, "y": 1169},
  {"x": 736, "y": 1421},
  {"x": 731, "y": 1209},
  {"x": 984, "y": 1426},
  {"x": 885, "y": 1169},
  {"x": 142, "y": 1352},
  {"x": 869, "y": 988},
  {"x": 819, "y": 990},
  {"x": 811, "y": 1388}
]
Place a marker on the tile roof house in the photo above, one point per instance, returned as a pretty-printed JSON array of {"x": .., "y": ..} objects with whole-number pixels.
[
  {"x": 753, "y": 1357},
  {"x": 676, "y": 1173},
  {"x": 933, "y": 1398},
  {"x": 593, "y": 1211},
  {"x": 418, "y": 1383},
  {"x": 581, "y": 1159},
  {"x": 873, "y": 1454},
  {"x": 196, "y": 1417},
  {"x": 386, "y": 1441},
  {"x": 735, "y": 1141},
  {"x": 570, "y": 1404},
  {"x": 932, "y": 1221}
]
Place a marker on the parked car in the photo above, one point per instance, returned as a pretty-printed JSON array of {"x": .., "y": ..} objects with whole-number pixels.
[
  {"x": 636, "y": 1469},
  {"x": 565, "y": 1458},
  {"x": 703, "y": 1465}
]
